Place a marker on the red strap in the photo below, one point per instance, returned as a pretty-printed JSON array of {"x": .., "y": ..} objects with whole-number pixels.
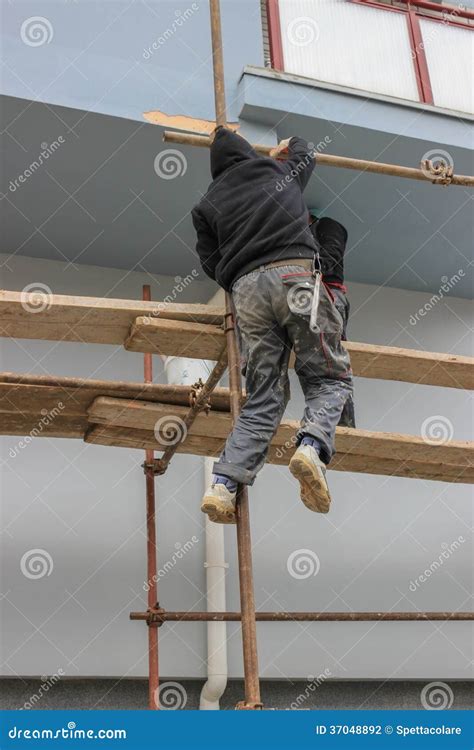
[
  {"x": 342, "y": 287},
  {"x": 299, "y": 273}
]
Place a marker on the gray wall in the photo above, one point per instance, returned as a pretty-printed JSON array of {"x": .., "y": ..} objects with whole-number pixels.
[{"x": 84, "y": 505}]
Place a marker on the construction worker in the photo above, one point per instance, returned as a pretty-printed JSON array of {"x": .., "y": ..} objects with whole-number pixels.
[
  {"x": 331, "y": 239},
  {"x": 254, "y": 239}
]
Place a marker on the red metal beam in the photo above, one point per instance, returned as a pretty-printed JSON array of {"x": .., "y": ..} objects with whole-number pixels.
[
  {"x": 454, "y": 10},
  {"x": 274, "y": 34},
  {"x": 419, "y": 58},
  {"x": 440, "y": 11}
]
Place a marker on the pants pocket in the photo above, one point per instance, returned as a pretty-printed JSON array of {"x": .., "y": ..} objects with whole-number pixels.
[{"x": 299, "y": 295}]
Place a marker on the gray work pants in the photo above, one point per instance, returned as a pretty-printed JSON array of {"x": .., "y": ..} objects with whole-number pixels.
[{"x": 273, "y": 308}]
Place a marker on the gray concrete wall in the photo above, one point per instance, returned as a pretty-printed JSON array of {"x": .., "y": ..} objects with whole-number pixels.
[{"x": 84, "y": 506}]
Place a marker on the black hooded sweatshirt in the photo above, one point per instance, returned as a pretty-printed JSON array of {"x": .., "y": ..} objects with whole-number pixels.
[{"x": 253, "y": 212}]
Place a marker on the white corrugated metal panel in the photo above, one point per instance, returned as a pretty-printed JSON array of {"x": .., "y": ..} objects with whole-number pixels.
[
  {"x": 348, "y": 44},
  {"x": 450, "y": 57}
]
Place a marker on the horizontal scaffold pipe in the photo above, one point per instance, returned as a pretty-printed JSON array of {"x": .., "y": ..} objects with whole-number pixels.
[
  {"x": 158, "y": 617},
  {"x": 362, "y": 165}
]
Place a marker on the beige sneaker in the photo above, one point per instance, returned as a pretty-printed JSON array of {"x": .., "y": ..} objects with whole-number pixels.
[
  {"x": 310, "y": 471},
  {"x": 219, "y": 504}
]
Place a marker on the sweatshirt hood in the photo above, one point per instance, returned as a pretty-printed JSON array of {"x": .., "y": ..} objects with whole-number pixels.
[{"x": 227, "y": 150}]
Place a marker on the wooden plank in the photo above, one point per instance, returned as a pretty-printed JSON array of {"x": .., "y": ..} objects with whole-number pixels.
[
  {"x": 204, "y": 446},
  {"x": 46, "y": 406},
  {"x": 161, "y": 336},
  {"x": 115, "y": 321},
  {"x": 411, "y": 365},
  {"x": 93, "y": 320},
  {"x": 394, "y": 446},
  {"x": 27, "y": 425},
  {"x": 197, "y": 340},
  {"x": 35, "y": 392}
]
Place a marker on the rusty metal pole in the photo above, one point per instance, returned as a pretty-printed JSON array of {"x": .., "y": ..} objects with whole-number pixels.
[
  {"x": 441, "y": 174},
  {"x": 152, "y": 578},
  {"x": 244, "y": 545},
  {"x": 158, "y": 617},
  {"x": 218, "y": 63}
]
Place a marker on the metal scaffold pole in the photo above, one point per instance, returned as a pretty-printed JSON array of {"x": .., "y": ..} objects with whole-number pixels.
[
  {"x": 438, "y": 174},
  {"x": 244, "y": 544},
  {"x": 153, "y": 681}
]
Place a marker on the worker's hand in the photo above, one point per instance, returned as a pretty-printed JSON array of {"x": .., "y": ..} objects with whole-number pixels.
[{"x": 281, "y": 149}]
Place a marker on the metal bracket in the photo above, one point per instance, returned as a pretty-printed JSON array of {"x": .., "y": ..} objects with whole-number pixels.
[
  {"x": 155, "y": 616},
  {"x": 147, "y": 467},
  {"x": 158, "y": 467},
  {"x": 441, "y": 172},
  {"x": 228, "y": 325},
  {"x": 243, "y": 706},
  {"x": 194, "y": 394}
]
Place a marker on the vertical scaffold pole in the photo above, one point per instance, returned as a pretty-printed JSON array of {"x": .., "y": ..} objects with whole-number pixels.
[
  {"x": 244, "y": 544},
  {"x": 153, "y": 673}
]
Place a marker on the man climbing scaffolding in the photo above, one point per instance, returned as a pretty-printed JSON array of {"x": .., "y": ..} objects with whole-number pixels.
[{"x": 254, "y": 239}]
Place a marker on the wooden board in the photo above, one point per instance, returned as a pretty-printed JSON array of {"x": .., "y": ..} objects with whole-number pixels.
[
  {"x": 164, "y": 336},
  {"x": 202, "y": 445},
  {"x": 206, "y": 341},
  {"x": 92, "y": 320},
  {"x": 139, "y": 415},
  {"x": 151, "y": 327},
  {"x": 44, "y": 406},
  {"x": 58, "y": 406},
  {"x": 411, "y": 365}
]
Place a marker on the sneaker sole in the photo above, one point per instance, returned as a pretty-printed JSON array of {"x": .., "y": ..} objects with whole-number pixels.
[
  {"x": 314, "y": 492},
  {"x": 217, "y": 513}
]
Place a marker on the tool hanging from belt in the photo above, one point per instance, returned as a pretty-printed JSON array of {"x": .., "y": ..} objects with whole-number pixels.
[{"x": 317, "y": 275}]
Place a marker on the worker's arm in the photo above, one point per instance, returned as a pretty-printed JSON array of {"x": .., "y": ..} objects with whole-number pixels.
[
  {"x": 300, "y": 160},
  {"x": 206, "y": 246}
]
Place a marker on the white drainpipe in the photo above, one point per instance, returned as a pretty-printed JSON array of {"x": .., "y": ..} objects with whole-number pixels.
[
  {"x": 182, "y": 371},
  {"x": 215, "y": 566}
]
